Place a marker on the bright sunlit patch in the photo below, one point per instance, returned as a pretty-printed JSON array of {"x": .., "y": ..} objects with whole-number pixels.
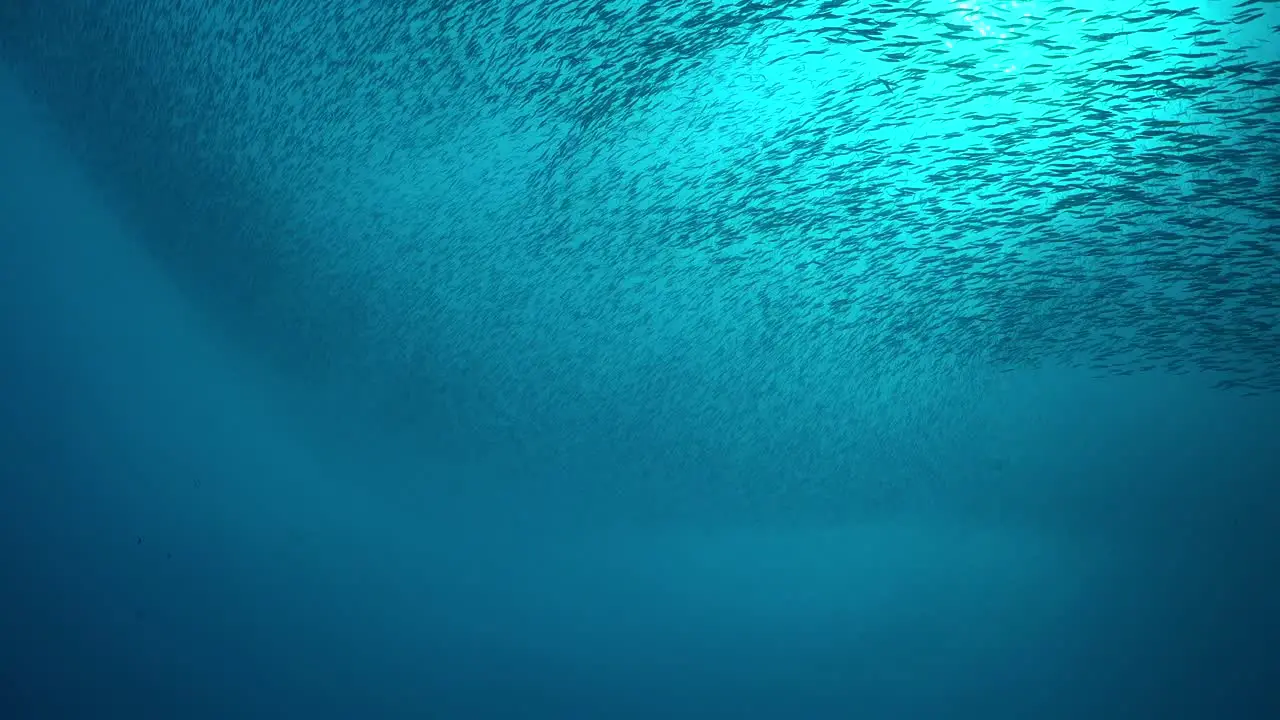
[{"x": 1004, "y": 23}]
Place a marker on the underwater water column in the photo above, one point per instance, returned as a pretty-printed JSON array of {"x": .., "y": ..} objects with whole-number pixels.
[{"x": 637, "y": 359}]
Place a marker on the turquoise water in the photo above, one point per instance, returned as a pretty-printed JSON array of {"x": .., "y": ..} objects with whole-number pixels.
[{"x": 631, "y": 359}]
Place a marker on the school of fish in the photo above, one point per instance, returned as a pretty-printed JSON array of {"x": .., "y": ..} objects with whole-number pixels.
[{"x": 763, "y": 217}]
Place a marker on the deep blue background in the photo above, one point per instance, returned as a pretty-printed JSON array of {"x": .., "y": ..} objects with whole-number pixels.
[{"x": 199, "y": 520}]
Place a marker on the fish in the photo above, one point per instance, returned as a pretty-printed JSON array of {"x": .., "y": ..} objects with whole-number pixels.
[{"x": 741, "y": 209}]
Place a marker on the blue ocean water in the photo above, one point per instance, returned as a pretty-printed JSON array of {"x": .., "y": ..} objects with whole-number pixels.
[{"x": 328, "y": 394}]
